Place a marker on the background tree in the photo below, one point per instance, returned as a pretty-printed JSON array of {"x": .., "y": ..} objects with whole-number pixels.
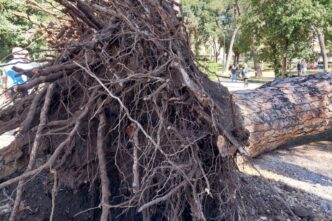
[
  {"x": 323, "y": 27},
  {"x": 205, "y": 23},
  {"x": 25, "y": 24},
  {"x": 242, "y": 46},
  {"x": 283, "y": 29},
  {"x": 234, "y": 7}
]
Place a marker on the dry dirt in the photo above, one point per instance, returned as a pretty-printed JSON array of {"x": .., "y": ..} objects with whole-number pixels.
[{"x": 301, "y": 172}]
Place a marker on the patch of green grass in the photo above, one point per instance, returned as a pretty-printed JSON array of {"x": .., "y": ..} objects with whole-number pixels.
[{"x": 210, "y": 68}]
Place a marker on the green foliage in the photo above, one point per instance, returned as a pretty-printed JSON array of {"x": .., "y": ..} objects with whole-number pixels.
[
  {"x": 284, "y": 29},
  {"x": 18, "y": 29},
  {"x": 204, "y": 21},
  {"x": 325, "y": 12},
  {"x": 212, "y": 22},
  {"x": 276, "y": 29},
  {"x": 210, "y": 68}
]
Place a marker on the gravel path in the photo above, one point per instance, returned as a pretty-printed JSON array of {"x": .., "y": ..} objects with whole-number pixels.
[
  {"x": 238, "y": 85},
  {"x": 303, "y": 171}
]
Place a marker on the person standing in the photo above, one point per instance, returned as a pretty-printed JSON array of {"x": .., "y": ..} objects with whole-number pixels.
[
  {"x": 245, "y": 75},
  {"x": 304, "y": 67},
  {"x": 299, "y": 68},
  {"x": 233, "y": 73},
  {"x": 10, "y": 78}
]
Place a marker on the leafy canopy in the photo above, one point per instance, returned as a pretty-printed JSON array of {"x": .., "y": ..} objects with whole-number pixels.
[{"x": 21, "y": 24}]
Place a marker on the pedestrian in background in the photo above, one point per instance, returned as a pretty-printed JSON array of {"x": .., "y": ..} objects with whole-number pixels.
[
  {"x": 299, "y": 68},
  {"x": 304, "y": 67},
  {"x": 245, "y": 75},
  {"x": 233, "y": 70},
  {"x": 10, "y": 78}
]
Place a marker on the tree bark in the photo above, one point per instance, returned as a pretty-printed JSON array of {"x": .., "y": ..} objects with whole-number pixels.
[
  {"x": 284, "y": 110},
  {"x": 321, "y": 39},
  {"x": 257, "y": 65},
  {"x": 284, "y": 66},
  {"x": 284, "y": 60},
  {"x": 237, "y": 59},
  {"x": 216, "y": 48},
  {"x": 229, "y": 55},
  {"x": 197, "y": 43}
]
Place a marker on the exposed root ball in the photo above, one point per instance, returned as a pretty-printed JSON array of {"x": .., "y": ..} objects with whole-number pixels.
[{"x": 126, "y": 108}]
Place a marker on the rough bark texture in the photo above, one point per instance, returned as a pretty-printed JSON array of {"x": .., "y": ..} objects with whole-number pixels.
[
  {"x": 321, "y": 39},
  {"x": 257, "y": 65},
  {"x": 230, "y": 49},
  {"x": 284, "y": 110},
  {"x": 283, "y": 66}
]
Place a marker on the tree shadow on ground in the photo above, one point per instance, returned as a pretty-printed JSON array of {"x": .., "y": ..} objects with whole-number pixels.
[
  {"x": 296, "y": 172},
  {"x": 263, "y": 199},
  {"x": 300, "y": 159},
  {"x": 324, "y": 136},
  {"x": 280, "y": 197}
]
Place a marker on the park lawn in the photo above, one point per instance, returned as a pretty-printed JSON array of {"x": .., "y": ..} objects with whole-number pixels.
[{"x": 213, "y": 70}]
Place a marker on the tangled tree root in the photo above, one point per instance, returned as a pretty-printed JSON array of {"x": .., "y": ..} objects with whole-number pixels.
[{"x": 127, "y": 102}]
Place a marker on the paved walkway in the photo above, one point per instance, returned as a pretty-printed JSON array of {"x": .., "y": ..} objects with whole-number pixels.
[
  {"x": 238, "y": 85},
  {"x": 6, "y": 139},
  {"x": 303, "y": 168}
]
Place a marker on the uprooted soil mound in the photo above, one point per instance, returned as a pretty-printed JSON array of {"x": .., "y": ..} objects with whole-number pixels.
[{"x": 124, "y": 113}]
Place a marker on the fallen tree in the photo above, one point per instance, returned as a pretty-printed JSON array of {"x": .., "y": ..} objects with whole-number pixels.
[
  {"x": 124, "y": 107},
  {"x": 284, "y": 110}
]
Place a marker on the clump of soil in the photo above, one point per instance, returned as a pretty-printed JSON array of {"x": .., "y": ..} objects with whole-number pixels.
[
  {"x": 36, "y": 204},
  {"x": 269, "y": 200}
]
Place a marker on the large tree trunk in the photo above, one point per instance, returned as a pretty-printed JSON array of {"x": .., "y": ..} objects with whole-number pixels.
[
  {"x": 323, "y": 49},
  {"x": 284, "y": 110},
  {"x": 230, "y": 49}
]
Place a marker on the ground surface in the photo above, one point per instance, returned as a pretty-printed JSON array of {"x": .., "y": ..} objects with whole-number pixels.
[
  {"x": 238, "y": 85},
  {"x": 6, "y": 139},
  {"x": 300, "y": 172}
]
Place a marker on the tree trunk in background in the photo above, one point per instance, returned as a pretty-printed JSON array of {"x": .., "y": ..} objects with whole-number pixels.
[
  {"x": 257, "y": 65},
  {"x": 284, "y": 110},
  {"x": 236, "y": 58},
  {"x": 216, "y": 49},
  {"x": 216, "y": 53},
  {"x": 284, "y": 66},
  {"x": 284, "y": 60},
  {"x": 258, "y": 70},
  {"x": 321, "y": 39},
  {"x": 229, "y": 55},
  {"x": 197, "y": 43}
]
